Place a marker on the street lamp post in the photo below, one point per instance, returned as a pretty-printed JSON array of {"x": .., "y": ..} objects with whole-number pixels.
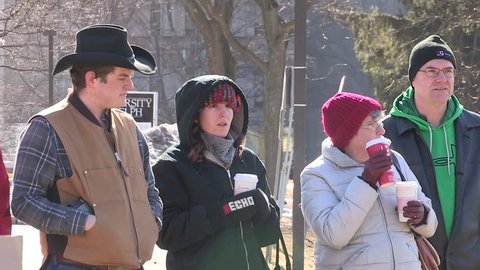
[
  {"x": 299, "y": 129},
  {"x": 50, "y": 33}
]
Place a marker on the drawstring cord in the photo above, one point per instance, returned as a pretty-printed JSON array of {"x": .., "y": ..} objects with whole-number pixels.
[
  {"x": 431, "y": 138},
  {"x": 447, "y": 148}
]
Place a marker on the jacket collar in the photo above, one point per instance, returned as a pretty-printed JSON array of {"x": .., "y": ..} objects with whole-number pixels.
[
  {"x": 468, "y": 120},
  {"x": 78, "y": 104},
  {"x": 336, "y": 156},
  {"x": 465, "y": 120},
  {"x": 403, "y": 125}
]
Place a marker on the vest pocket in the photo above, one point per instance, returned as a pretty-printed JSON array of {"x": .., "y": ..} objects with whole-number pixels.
[{"x": 113, "y": 238}]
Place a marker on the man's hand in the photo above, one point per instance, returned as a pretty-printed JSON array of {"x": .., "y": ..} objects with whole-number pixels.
[{"x": 91, "y": 219}]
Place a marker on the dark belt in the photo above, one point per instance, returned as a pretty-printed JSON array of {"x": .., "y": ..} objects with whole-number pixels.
[{"x": 60, "y": 259}]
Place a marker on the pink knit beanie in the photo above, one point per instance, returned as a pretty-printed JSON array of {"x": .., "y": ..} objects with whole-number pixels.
[{"x": 343, "y": 114}]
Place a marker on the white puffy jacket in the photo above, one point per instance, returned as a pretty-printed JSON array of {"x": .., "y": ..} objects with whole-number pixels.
[{"x": 355, "y": 226}]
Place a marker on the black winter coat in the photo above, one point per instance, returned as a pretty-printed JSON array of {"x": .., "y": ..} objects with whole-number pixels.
[
  {"x": 462, "y": 250},
  {"x": 189, "y": 190}
]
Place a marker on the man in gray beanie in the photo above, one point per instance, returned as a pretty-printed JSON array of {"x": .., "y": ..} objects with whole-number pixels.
[{"x": 439, "y": 140}]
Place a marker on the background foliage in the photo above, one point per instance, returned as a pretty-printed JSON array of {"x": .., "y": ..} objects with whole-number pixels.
[
  {"x": 246, "y": 40},
  {"x": 383, "y": 43}
]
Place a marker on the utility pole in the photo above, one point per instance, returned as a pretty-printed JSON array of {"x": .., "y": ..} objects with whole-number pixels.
[
  {"x": 50, "y": 33},
  {"x": 299, "y": 130}
]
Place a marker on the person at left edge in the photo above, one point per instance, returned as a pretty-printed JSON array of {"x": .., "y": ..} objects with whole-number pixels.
[
  {"x": 206, "y": 226},
  {"x": 82, "y": 174},
  {"x": 5, "y": 216}
]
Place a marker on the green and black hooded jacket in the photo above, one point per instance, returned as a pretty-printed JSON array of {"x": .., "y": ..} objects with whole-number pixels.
[
  {"x": 441, "y": 143},
  {"x": 189, "y": 189},
  {"x": 445, "y": 160}
]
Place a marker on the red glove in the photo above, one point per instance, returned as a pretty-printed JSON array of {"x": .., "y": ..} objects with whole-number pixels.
[{"x": 378, "y": 163}]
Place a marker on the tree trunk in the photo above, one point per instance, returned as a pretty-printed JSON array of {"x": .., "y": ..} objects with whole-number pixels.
[
  {"x": 219, "y": 55},
  {"x": 274, "y": 88}
]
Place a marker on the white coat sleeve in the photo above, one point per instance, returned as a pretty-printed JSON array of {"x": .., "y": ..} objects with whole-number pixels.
[{"x": 334, "y": 220}]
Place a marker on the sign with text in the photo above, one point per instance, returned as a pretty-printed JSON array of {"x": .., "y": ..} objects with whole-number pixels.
[{"x": 143, "y": 107}]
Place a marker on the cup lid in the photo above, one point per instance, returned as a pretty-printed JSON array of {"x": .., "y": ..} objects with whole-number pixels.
[
  {"x": 377, "y": 140},
  {"x": 247, "y": 177},
  {"x": 406, "y": 183}
]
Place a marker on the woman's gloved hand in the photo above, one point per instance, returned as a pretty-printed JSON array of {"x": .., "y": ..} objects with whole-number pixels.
[
  {"x": 378, "y": 163},
  {"x": 248, "y": 205},
  {"x": 415, "y": 212}
]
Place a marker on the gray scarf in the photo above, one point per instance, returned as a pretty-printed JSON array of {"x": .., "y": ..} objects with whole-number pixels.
[{"x": 221, "y": 148}]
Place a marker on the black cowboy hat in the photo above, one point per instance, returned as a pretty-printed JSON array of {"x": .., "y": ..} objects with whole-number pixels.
[{"x": 106, "y": 44}]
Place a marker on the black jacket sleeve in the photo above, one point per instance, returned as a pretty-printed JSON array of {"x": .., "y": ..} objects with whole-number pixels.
[
  {"x": 267, "y": 230},
  {"x": 183, "y": 225},
  {"x": 188, "y": 220}
]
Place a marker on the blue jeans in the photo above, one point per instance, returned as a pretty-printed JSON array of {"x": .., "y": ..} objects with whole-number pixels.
[{"x": 52, "y": 264}]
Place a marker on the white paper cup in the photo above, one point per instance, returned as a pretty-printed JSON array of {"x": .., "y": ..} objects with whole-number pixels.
[
  {"x": 406, "y": 191},
  {"x": 244, "y": 182}
]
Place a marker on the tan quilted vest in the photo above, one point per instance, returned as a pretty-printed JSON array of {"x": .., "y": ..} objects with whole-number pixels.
[{"x": 125, "y": 231}]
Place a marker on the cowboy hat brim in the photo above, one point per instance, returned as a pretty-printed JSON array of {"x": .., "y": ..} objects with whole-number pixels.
[{"x": 141, "y": 61}]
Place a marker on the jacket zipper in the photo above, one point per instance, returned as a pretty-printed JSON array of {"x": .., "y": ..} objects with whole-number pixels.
[
  {"x": 244, "y": 246},
  {"x": 124, "y": 174},
  {"x": 386, "y": 229},
  {"x": 241, "y": 226}
]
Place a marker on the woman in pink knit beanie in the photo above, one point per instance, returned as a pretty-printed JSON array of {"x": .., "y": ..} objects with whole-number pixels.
[{"x": 355, "y": 221}]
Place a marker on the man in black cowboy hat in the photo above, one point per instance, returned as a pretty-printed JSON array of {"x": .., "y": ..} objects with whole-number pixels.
[{"x": 82, "y": 173}]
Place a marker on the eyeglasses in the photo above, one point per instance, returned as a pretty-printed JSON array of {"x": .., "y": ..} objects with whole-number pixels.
[
  {"x": 374, "y": 126},
  {"x": 449, "y": 73}
]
